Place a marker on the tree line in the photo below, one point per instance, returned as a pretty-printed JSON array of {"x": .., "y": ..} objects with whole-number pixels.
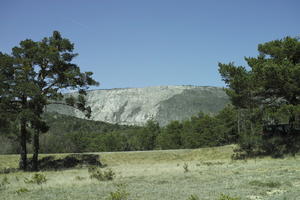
[{"x": 68, "y": 134}]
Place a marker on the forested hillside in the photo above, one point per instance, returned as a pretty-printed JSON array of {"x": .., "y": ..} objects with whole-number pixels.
[{"x": 71, "y": 134}]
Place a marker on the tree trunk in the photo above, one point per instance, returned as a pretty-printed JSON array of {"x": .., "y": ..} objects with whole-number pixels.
[
  {"x": 36, "y": 147},
  {"x": 23, "y": 150}
]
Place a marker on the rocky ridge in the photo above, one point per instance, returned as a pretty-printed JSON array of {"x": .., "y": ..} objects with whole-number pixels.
[{"x": 135, "y": 106}]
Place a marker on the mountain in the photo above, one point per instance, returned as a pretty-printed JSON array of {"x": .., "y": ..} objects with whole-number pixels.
[{"x": 135, "y": 106}]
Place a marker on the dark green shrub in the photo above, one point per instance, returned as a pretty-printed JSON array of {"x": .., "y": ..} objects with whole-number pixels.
[
  {"x": 22, "y": 190},
  {"x": 101, "y": 175},
  {"x": 249, "y": 145},
  {"x": 281, "y": 139}
]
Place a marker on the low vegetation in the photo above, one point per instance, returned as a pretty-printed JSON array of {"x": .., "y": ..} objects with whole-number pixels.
[
  {"x": 101, "y": 174},
  {"x": 119, "y": 194},
  {"x": 79, "y": 135},
  {"x": 152, "y": 175}
]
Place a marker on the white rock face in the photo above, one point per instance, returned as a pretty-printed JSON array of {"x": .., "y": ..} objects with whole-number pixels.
[{"x": 135, "y": 106}]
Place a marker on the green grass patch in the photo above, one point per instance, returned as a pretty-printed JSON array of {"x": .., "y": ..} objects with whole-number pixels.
[{"x": 153, "y": 175}]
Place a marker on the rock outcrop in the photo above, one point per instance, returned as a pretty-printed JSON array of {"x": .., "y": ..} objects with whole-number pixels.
[{"x": 135, "y": 106}]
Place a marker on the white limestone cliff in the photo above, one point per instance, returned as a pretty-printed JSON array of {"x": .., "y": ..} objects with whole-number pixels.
[{"x": 135, "y": 106}]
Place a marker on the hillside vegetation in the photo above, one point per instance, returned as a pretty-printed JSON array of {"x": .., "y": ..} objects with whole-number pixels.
[
  {"x": 70, "y": 134},
  {"x": 205, "y": 173}
]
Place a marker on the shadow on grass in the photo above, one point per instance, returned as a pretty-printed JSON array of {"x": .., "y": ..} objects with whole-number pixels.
[
  {"x": 51, "y": 163},
  {"x": 70, "y": 161}
]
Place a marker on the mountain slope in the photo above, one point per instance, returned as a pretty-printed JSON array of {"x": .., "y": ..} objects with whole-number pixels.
[{"x": 134, "y": 106}]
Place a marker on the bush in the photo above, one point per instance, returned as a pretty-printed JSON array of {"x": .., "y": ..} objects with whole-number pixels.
[
  {"x": 22, "y": 190},
  {"x": 281, "y": 140},
  {"x": 227, "y": 197},
  {"x": 119, "y": 194},
  {"x": 101, "y": 175},
  {"x": 193, "y": 197},
  {"x": 186, "y": 167},
  {"x": 37, "y": 178},
  {"x": 249, "y": 145}
]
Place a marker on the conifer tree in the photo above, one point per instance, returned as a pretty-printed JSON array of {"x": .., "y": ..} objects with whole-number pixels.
[
  {"x": 270, "y": 83},
  {"x": 40, "y": 72}
]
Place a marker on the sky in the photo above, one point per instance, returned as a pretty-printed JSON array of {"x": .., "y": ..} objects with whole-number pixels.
[{"x": 140, "y": 43}]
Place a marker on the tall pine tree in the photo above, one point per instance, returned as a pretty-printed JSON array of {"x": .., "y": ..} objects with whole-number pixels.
[
  {"x": 41, "y": 71},
  {"x": 271, "y": 83}
]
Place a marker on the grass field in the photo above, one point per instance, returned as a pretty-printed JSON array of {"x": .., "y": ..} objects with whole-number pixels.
[{"x": 173, "y": 174}]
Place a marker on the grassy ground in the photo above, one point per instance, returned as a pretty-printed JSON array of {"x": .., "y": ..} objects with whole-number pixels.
[{"x": 174, "y": 174}]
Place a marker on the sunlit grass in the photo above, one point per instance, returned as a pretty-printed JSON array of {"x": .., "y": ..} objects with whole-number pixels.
[{"x": 161, "y": 175}]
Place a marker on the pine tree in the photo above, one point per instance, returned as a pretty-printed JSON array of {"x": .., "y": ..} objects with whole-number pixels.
[
  {"x": 271, "y": 84},
  {"x": 41, "y": 71}
]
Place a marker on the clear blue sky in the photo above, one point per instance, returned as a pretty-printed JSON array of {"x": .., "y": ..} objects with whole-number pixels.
[{"x": 138, "y": 43}]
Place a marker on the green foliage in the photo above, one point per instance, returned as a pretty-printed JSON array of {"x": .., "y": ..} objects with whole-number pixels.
[
  {"x": 269, "y": 184},
  {"x": 193, "y": 197},
  {"x": 206, "y": 127},
  {"x": 6, "y": 76},
  {"x": 267, "y": 95},
  {"x": 37, "y": 178},
  {"x": 4, "y": 182},
  {"x": 35, "y": 75},
  {"x": 170, "y": 136},
  {"x": 147, "y": 136},
  {"x": 185, "y": 167},
  {"x": 100, "y": 174},
  {"x": 22, "y": 190},
  {"x": 80, "y": 135},
  {"x": 201, "y": 131},
  {"x": 249, "y": 146},
  {"x": 222, "y": 197},
  {"x": 120, "y": 193},
  {"x": 227, "y": 197},
  {"x": 228, "y": 124},
  {"x": 282, "y": 136}
]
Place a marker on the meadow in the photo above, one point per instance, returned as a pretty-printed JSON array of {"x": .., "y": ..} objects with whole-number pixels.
[{"x": 204, "y": 174}]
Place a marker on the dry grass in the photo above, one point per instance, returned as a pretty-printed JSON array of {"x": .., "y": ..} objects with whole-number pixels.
[{"x": 160, "y": 175}]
